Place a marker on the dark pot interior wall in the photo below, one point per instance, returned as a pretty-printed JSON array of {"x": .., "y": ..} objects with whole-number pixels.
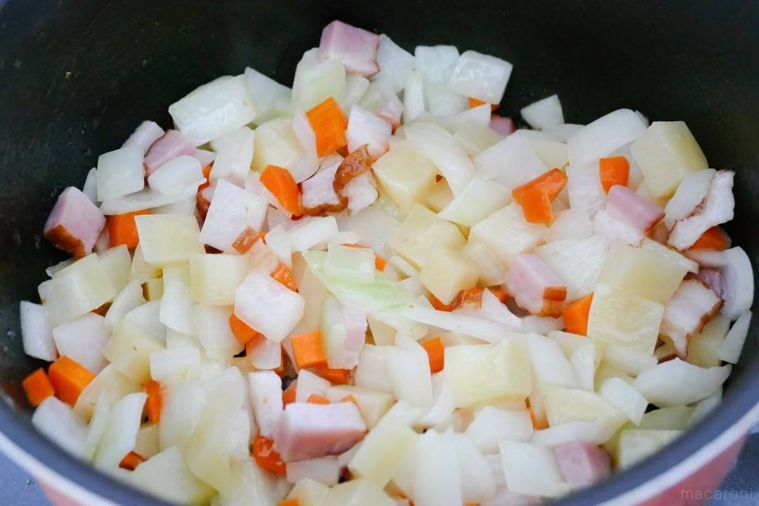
[{"x": 77, "y": 76}]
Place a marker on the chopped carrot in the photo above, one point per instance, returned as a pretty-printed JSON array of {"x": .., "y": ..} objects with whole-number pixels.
[
  {"x": 334, "y": 376},
  {"x": 471, "y": 504},
  {"x": 555, "y": 293},
  {"x": 155, "y": 401},
  {"x": 308, "y": 350},
  {"x": 476, "y": 102},
  {"x": 266, "y": 457},
  {"x": 245, "y": 240},
  {"x": 207, "y": 175},
  {"x": 289, "y": 502},
  {"x": 281, "y": 184},
  {"x": 715, "y": 238},
  {"x": 537, "y": 416},
  {"x": 68, "y": 379},
  {"x": 536, "y": 205},
  {"x": 202, "y": 204},
  {"x": 284, "y": 275},
  {"x": 440, "y": 306},
  {"x": 379, "y": 262},
  {"x": 289, "y": 394},
  {"x": 436, "y": 353},
  {"x": 499, "y": 292},
  {"x": 535, "y": 196},
  {"x": 244, "y": 333},
  {"x": 553, "y": 301},
  {"x": 552, "y": 182},
  {"x": 131, "y": 460},
  {"x": 350, "y": 398},
  {"x": 328, "y": 124},
  {"x": 37, "y": 387},
  {"x": 123, "y": 230},
  {"x": 317, "y": 399},
  {"x": 576, "y": 315},
  {"x": 102, "y": 310},
  {"x": 614, "y": 170}
]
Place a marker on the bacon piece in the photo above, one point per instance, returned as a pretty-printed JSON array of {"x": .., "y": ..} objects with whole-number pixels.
[
  {"x": 353, "y": 47},
  {"x": 717, "y": 208},
  {"x": 319, "y": 198},
  {"x": 628, "y": 206},
  {"x": 502, "y": 124},
  {"x": 75, "y": 223},
  {"x": 535, "y": 287},
  {"x": 308, "y": 431},
  {"x": 171, "y": 145},
  {"x": 144, "y": 136},
  {"x": 690, "y": 308},
  {"x": 582, "y": 464}
]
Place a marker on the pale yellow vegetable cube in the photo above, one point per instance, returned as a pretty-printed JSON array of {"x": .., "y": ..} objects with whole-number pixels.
[
  {"x": 624, "y": 319},
  {"x": 507, "y": 234},
  {"x": 142, "y": 270},
  {"x": 214, "y": 278},
  {"x": 606, "y": 371},
  {"x": 355, "y": 492},
  {"x": 405, "y": 175},
  {"x": 704, "y": 348},
  {"x": 111, "y": 383},
  {"x": 642, "y": 272},
  {"x": 383, "y": 451},
  {"x": 129, "y": 350},
  {"x": 635, "y": 445},
  {"x": 422, "y": 233},
  {"x": 276, "y": 144},
  {"x": 446, "y": 273},
  {"x": 373, "y": 404},
  {"x": 672, "y": 256},
  {"x": 117, "y": 264},
  {"x": 308, "y": 492},
  {"x": 438, "y": 196},
  {"x": 488, "y": 374},
  {"x": 563, "y": 405},
  {"x": 492, "y": 271},
  {"x": 168, "y": 238},
  {"x": 148, "y": 442},
  {"x": 666, "y": 153},
  {"x": 477, "y": 201},
  {"x": 77, "y": 289},
  {"x": 152, "y": 289},
  {"x": 475, "y": 137}
]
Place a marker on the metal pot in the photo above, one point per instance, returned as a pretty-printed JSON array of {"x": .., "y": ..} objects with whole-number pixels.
[{"x": 77, "y": 76}]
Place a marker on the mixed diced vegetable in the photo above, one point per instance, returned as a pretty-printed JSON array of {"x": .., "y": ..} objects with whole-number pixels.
[{"x": 371, "y": 288}]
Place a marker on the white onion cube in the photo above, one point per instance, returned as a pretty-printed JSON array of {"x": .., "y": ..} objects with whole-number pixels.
[
  {"x": 120, "y": 173},
  {"x": 83, "y": 341},
  {"x": 232, "y": 211},
  {"x": 213, "y": 110},
  {"x": 480, "y": 76},
  {"x": 36, "y": 331},
  {"x": 268, "y": 306},
  {"x": 177, "y": 176}
]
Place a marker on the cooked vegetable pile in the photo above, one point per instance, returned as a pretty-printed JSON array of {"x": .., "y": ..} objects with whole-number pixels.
[{"x": 371, "y": 289}]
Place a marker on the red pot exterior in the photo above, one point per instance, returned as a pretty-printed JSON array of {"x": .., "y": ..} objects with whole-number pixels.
[{"x": 700, "y": 487}]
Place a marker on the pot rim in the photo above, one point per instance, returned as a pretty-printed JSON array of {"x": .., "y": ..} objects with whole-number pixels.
[{"x": 28, "y": 448}]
